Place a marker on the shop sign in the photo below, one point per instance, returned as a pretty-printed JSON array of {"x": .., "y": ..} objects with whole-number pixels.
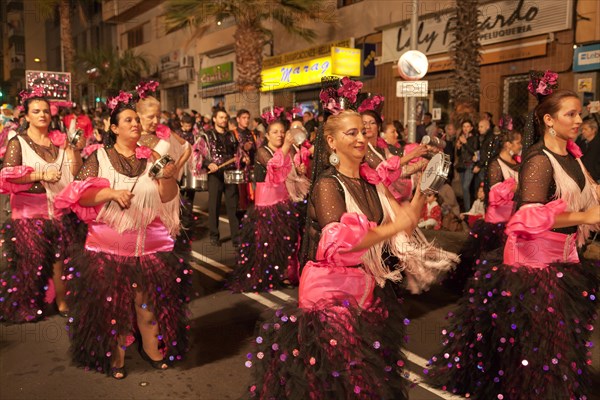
[
  {"x": 368, "y": 59},
  {"x": 305, "y": 54},
  {"x": 498, "y": 22},
  {"x": 56, "y": 85},
  {"x": 587, "y": 58},
  {"x": 345, "y": 62},
  {"x": 215, "y": 75},
  {"x": 501, "y": 52}
]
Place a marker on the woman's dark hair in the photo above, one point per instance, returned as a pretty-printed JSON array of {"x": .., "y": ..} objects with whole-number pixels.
[
  {"x": 110, "y": 138},
  {"x": 28, "y": 102},
  {"x": 25, "y": 125},
  {"x": 375, "y": 116},
  {"x": 187, "y": 119},
  {"x": 535, "y": 127},
  {"x": 509, "y": 137},
  {"x": 399, "y": 126}
]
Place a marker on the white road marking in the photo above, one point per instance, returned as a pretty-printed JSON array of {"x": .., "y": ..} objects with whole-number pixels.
[
  {"x": 206, "y": 271},
  {"x": 412, "y": 357},
  {"x": 210, "y": 261},
  {"x": 282, "y": 296}
]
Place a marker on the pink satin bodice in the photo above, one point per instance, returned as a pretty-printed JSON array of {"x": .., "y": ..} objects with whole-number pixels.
[
  {"x": 531, "y": 243},
  {"x": 337, "y": 273}
]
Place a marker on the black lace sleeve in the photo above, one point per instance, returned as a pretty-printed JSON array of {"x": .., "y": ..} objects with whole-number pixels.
[
  {"x": 326, "y": 204},
  {"x": 13, "y": 156},
  {"x": 536, "y": 180},
  {"x": 90, "y": 168},
  {"x": 494, "y": 173}
]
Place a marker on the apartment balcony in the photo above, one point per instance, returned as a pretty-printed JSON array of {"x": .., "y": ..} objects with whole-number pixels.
[{"x": 124, "y": 10}]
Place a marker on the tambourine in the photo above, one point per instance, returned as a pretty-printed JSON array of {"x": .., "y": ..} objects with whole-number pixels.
[
  {"x": 299, "y": 134},
  {"x": 436, "y": 173},
  {"x": 73, "y": 140},
  {"x": 156, "y": 170}
]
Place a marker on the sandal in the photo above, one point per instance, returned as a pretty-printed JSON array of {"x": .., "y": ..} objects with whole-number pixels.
[
  {"x": 160, "y": 364},
  {"x": 115, "y": 372}
]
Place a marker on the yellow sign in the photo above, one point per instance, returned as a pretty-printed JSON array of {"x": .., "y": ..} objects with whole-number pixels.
[
  {"x": 346, "y": 61},
  {"x": 342, "y": 62},
  {"x": 297, "y": 74}
]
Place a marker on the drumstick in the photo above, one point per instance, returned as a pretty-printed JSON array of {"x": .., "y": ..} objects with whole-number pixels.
[{"x": 226, "y": 163}]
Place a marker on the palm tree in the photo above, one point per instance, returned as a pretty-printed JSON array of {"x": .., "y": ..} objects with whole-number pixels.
[
  {"x": 251, "y": 33},
  {"x": 46, "y": 10},
  {"x": 110, "y": 71},
  {"x": 465, "y": 50}
]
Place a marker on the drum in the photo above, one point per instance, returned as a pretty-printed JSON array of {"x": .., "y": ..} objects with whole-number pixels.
[
  {"x": 235, "y": 177},
  {"x": 436, "y": 173},
  {"x": 158, "y": 166},
  {"x": 193, "y": 180}
]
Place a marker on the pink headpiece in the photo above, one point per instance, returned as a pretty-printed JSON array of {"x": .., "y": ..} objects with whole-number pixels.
[{"x": 33, "y": 92}]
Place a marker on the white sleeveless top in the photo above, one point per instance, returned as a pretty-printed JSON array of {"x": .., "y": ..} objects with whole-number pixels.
[
  {"x": 146, "y": 204},
  {"x": 30, "y": 158}
]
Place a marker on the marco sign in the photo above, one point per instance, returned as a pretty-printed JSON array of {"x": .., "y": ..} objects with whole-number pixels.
[{"x": 498, "y": 22}]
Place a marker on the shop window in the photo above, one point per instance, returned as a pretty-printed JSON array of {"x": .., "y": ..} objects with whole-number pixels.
[
  {"x": 516, "y": 96},
  {"x": 441, "y": 99},
  {"x": 137, "y": 36},
  {"x": 178, "y": 97}
]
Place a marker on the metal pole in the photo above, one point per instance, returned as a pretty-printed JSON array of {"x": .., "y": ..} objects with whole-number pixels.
[{"x": 412, "y": 101}]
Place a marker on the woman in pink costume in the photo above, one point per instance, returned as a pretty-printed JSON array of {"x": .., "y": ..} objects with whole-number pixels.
[
  {"x": 270, "y": 230},
  {"x": 129, "y": 283},
  {"x": 163, "y": 141},
  {"x": 343, "y": 340},
  {"x": 486, "y": 240},
  {"x": 38, "y": 238},
  {"x": 522, "y": 331}
]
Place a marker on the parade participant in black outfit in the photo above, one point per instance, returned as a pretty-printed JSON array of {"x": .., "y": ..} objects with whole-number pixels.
[
  {"x": 268, "y": 258},
  {"x": 522, "y": 329},
  {"x": 222, "y": 147}
]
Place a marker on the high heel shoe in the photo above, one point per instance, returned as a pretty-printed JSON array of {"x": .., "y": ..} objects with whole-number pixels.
[
  {"x": 160, "y": 364},
  {"x": 114, "y": 371}
]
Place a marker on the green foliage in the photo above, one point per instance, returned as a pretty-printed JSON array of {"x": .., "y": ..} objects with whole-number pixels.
[{"x": 111, "y": 72}]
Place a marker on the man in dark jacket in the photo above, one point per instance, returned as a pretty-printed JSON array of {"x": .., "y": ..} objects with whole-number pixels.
[{"x": 589, "y": 142}]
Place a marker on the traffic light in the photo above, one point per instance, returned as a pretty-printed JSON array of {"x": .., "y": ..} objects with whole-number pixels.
[{"x": 97, "y": 99}]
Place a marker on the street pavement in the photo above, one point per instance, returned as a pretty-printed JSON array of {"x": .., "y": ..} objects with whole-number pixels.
[{"x": 34, "y": 362}]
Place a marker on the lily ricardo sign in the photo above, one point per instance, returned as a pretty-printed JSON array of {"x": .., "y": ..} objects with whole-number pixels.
[{"x": 498, "y": 22}]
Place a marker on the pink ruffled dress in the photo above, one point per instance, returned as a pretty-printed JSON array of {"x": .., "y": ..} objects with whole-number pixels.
[
  {"x": 522, "y": 330},
  {"x": 127, "y": 251},
  {"x": 343, "y": 339},
  {"x": 270, "y": 229},
  {"x": 38, "y": 234}
]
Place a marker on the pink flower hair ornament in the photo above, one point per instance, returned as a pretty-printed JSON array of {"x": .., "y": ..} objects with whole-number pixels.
[
  {"x": 272, "y": 115},
  {"x": 542, "y": 84},
  {"x": 123, "y": 97},
  {"x": 144, "y": 89},
  {"x": 348, "y": 97},
  {"x": 30, "y": 93}
]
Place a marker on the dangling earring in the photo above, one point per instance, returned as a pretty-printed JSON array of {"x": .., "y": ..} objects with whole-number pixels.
[
  {"x": 552, "y": 131},
  {"x": 334, "y": 160}
]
